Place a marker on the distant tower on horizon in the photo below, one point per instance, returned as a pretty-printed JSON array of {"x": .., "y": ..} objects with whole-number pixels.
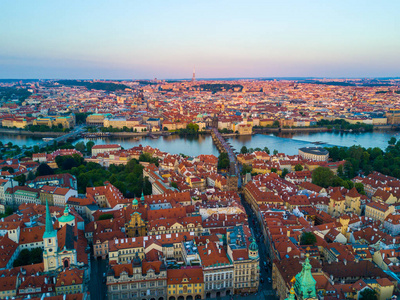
[{"x": 194, "y": 75}]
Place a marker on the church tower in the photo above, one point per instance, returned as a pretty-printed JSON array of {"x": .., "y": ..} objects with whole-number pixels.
[
  {"x": 142, "y": 198},
  {"x": 304, "y": 286},
  {"x": 50, "y": 243},
  {"x": 253, "y": 250}
]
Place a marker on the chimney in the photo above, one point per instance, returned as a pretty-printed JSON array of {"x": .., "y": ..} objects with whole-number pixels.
[{"x": 209, "y": 252}]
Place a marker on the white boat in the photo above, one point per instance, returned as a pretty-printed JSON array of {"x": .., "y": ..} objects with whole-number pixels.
[{"x": 47, "y": 139}]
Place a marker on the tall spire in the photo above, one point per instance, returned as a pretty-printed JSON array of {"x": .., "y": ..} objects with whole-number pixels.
[
  {"x": 49, "y": 230},
  {"x": 49, "y": 224},
  {"x": 142, "y": 198},
  {"x": 305, "y": 282},
  {"x": 194, "y": 74}
]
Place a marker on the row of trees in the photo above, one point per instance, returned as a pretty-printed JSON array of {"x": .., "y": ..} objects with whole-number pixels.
[
  {"x": 11, "y": 93},
  {"x": 45, "y": 128},
  {"x": 324, "y": 177},
  {"x": 340, "y": 124},
  {"x": 105, "y": 86},
  {"x": 82, "y": 147},
  {"x": 359, "y": 159},
  {"x": 191, "y": 129},
  {"x": 275, "y": 124},
  {"x": 223, "y": 161},
  {"x": 245, "y": 150},
  {"x": 29, "y": 257},
  {"x": 127, "y": 178},
  {"x": 123, "y": 129}
]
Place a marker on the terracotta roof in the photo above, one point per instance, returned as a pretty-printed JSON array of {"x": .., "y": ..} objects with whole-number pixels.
[{"x": 192, "y": 274}]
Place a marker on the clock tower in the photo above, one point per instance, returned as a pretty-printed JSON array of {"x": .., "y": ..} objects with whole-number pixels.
[{"x": 50, "y": 243}]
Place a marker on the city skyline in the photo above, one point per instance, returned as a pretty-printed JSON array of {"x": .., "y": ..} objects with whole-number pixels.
[{"x": 228, "y": 39}]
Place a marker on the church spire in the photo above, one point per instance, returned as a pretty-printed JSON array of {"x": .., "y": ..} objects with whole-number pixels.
[
  {"x": 305, "y": 282},
  {"x": 49, "y": 230},
  {"x": 142, "y": 198}
]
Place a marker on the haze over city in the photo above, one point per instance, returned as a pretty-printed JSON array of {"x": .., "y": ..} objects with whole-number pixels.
[{"x": 224, "y": 39}]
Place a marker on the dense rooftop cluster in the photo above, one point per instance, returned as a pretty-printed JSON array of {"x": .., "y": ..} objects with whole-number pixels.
[{"x": 197, "y": 233}]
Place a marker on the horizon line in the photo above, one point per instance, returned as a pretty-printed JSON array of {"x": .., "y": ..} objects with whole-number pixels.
[{"x": 210, "y": 78}]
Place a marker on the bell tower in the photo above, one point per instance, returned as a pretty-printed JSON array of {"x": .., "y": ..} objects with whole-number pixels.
[
  {"x": 50, "y": 243},
  {"x": 305, "y": 283}
]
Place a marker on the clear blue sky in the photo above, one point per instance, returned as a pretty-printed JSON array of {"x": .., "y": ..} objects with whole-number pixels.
[{"x": 165, "y": 39}]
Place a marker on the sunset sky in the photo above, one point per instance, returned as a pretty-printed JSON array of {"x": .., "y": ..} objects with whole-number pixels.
[{"x": 166, "y": 39}]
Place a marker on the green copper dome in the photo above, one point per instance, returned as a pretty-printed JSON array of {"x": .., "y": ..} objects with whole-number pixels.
[
  {"x": 291, "y": 295},
  {"x": 253, "y": 246},
  {"x": 135, "y": 202},
  {"x": 66, "y": 217}
]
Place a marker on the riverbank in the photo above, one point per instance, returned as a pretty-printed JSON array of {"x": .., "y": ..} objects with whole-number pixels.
[
  {"x": 30, "y": 133},
  {"x": 297, "y": 129}
]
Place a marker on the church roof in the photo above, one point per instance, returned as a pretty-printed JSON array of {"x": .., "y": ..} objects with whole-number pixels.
[{"x": 67, "y": 217}]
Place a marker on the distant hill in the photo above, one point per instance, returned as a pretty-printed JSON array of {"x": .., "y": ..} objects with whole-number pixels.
[{"x": 104, "y": 86}]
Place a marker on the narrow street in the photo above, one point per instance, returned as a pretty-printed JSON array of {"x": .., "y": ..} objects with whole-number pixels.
[
  {"x": 97, "y": 287},
  {"x": 265, "y": 288}
]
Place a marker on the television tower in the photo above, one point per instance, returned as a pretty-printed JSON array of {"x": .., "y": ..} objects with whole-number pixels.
[{"x": 194, "y": 75}]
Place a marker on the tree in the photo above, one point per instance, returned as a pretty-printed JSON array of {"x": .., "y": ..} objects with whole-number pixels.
[
  {"x": 266, "y": 150},
  {"x": 244, "y": 150},
  {"x": 192, "y": 127},
  {"x": 298, "y": 167},
  {"x": 44, "y": 170},
  {"x": 31, "y": 176},
  {"x": 275, "y": 152},
  {"x": 340, "y": 171},
  {"x": 274, "y": 170},
  {"x": 80, "y": 146},
  {"x": 308, "y": 238},
  {"x": 275, "y": 124},
  {"x": 21, "y": 179},
  {"x": 106, "y": 217},
  {"x": 69, "y": 163},
  {"x": 8, "y": 169},
  {"x": 174, "y": 184},
  {"x": 147, "y": 188},
  {"x": 28, "y": 257},
  {"x": 322, "y": 176},
  {"x": 89, "y": 146},
  {"x": 359, "y": 187},
  {"x": 284, "y": 172},
  {"x": 392, "y": 141},
  {"x": 246, "y": 169},
  {"x": 223, "y": 161},
  {"x": 368, "y": 294},
  {"x": 36, "y": 149}
]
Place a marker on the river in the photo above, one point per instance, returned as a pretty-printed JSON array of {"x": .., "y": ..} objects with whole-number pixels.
[{"x": 286, "y": 143}]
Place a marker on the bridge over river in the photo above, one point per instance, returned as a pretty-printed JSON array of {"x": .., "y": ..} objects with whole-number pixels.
[{"x": 224, "y": 147}]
